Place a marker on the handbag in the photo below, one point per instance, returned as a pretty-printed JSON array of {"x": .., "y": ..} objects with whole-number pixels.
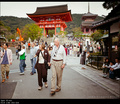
[{"x": 45, "y": 62}]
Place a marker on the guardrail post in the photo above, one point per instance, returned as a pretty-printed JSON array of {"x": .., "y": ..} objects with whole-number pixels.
[
  {"x": 91, "y": 60},
  {"x": 97, "y": 61}
]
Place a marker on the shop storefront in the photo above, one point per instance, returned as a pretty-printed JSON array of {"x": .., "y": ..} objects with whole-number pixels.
[{"x": 112, "y": 24}]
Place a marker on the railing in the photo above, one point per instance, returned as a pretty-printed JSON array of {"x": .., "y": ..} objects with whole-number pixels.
[{"x": 96, "y": 61}]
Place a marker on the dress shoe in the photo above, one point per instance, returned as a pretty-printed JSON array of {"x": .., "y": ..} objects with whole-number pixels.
[
  {"x": 57, "y": 90},
  {"x": 52, "y": 93},
  {"x": 3, "y": 80}
]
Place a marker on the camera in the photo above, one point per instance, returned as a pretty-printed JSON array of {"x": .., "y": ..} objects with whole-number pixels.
[{"x": 55, "y": 54}]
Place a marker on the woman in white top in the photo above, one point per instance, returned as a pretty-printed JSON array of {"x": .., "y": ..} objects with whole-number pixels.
[{"x": 42, "y": 54}]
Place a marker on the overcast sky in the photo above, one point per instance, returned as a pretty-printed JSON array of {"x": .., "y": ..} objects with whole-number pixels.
[{"x": 19, "y": 9}]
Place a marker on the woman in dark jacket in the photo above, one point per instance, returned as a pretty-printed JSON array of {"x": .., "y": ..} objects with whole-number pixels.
[{"x": 42, "y": 54}]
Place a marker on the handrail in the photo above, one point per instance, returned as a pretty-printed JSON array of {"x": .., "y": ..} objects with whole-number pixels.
[
  {"x": 96, "y": 60},
  {"x": 97, "y": 56}
]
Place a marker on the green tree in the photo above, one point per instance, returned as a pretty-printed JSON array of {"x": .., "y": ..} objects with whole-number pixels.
[
  {"x": 62, "y": 33},
  {"x": 51, "y": 32},
  {"x": 5, "y": 31},
  {"x": 33, "y": 31},
  {"x": 96, "y": 36},
  {"x": 110, "y": 4},
  {"x": 77, "y": 32}
]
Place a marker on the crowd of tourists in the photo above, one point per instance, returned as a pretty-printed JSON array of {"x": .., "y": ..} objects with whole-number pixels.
[{"x": 44, "y": 57}]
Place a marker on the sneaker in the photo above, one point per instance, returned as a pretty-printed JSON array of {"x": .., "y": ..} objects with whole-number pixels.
[
  {"x": 46, "y": 85},
  {"x": 105, "y": 75},
  {"x": 117, "y": 79},
  {"x": 83, "y": 68},
  {"x": 22, "y": 73},
  {"x": 39, "y": 88}
]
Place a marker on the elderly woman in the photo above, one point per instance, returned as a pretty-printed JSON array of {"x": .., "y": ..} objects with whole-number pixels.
[{"x": 43, "y": 55}]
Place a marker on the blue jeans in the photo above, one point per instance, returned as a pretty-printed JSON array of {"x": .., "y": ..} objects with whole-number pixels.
[
  {"x": 111, "y": 74},
  {"x": 21, "y": 65},
  {"x": 33, "y": 62}
]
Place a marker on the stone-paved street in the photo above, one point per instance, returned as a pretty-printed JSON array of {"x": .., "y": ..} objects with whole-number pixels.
[{"x": 77, "y": 83}]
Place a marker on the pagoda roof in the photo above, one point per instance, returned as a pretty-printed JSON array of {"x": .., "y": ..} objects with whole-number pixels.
[
  {"x": 51, "y": 10},
  {"x": 87, "y": 23},
  {"x": 88, "y": 15}
]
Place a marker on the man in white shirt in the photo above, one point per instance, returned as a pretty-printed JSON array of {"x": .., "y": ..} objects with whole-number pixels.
[{"x": 58, "y": 61}]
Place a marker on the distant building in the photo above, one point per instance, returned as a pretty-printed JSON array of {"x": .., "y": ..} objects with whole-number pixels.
[
  {"x": 86, "y": 25},
  {"x": 51, "y": 18}
]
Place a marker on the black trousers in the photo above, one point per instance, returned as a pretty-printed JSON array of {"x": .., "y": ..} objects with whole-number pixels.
[
  {"x": 117, "y": 73},
  {"x": 42, "y": 74}
]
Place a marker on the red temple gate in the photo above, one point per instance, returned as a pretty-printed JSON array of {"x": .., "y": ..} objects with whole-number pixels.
[{"x": 52, "y": 17}]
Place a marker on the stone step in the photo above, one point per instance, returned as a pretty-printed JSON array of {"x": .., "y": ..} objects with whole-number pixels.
[{"x": 62, "y": 40}]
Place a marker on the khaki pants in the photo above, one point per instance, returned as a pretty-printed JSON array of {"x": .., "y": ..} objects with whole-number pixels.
[
  {"x": 56, "y": 73},
  {"x": 4, "y": 67}
]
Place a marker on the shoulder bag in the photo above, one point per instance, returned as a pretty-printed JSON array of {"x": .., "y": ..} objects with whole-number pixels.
[{"x": 45, "y": 62}]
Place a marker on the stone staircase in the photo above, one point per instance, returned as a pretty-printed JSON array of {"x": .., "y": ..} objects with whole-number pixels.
[{"x": 62, "y": 40}]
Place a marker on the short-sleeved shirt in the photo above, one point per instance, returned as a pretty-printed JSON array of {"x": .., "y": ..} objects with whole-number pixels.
[{"x": 5, "y": 59}]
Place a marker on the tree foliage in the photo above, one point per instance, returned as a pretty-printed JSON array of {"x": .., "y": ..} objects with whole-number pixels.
[
  {"x": 62, "y": 33},
  {"x": 97, "y": 35},
  {"x": 15, "y": 22},
  {"x": 5, "y": 31},
  {"x": 77, "y": 32},
  {"x": 51, "y": 32},
  {"x": 108, "y": 4},
  {"x": 31, "y": 30},
  {"x": 76, "y": 22}
]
